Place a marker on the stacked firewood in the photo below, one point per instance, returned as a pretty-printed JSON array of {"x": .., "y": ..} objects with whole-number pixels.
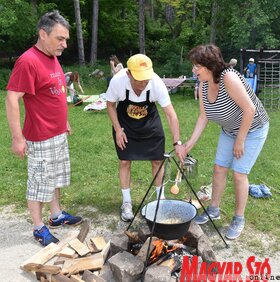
[{"x": 73, "y": 259}]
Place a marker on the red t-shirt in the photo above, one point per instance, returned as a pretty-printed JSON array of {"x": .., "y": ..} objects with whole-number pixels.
[{"x": 42, "y": 80}]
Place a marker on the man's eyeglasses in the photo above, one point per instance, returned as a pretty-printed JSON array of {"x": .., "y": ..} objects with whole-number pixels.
[{"x": 196, "y": 67}]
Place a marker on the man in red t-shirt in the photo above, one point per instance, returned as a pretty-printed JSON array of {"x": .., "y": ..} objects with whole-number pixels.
[{"x": 39, "y": 80}]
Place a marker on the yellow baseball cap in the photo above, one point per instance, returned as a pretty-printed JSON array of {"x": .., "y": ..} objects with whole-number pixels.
[{"x": 141, "y": 67}]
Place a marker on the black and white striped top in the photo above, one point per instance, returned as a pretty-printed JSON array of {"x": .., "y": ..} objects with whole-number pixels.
[{"x": 226, "y": 112}]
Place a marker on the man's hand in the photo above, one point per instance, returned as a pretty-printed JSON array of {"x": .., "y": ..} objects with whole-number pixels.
[
  {"x": 180, "y": 152},
  {"x": 19, "y": 147},
  {"x": 121, "y": 138},
  {"x": 69, "y": 130}
]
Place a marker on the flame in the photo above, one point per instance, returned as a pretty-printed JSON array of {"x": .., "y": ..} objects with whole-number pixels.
[{"x": 161, "y": 247}]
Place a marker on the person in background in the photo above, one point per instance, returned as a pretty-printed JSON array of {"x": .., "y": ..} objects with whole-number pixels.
[
  {"x": 70, "y": 78},
  {"x": 115, "y": 67},
  {"x": 196, "y": 86},
  {"x": 137, "y": 128},
  {"x": 226, "y": 98},
  {"x": 38, "y": 79},
  {"x": 232, "y": 63},
  {"x": 251, "y": 68}
]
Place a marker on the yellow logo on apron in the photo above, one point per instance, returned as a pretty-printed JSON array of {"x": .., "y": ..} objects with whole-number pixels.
[{"x": 137, "y": 112}]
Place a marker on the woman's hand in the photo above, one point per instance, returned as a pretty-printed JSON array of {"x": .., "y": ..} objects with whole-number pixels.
[{"x": 238, "y": 149}]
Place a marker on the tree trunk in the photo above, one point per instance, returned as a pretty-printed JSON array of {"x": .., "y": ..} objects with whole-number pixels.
[
  {"x": 214, "y": 12},
  {"x": 142, "y": 26},
  {"x": 93, "y": 49},
  {"x": 152, "y": 10},
  {"x": 34, "y": 6},
  {"x": 80, "y": 41},
  {"x": 193, "y": 12}
]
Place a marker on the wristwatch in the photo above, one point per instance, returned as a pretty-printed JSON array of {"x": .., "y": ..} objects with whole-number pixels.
[{"x": 177, "y": 143}]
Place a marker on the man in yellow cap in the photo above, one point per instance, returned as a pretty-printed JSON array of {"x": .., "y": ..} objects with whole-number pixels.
[{"x": 137, "y": 129}]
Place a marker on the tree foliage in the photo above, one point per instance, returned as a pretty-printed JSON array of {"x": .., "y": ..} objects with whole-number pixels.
[
  {"x": 18, "y": 25},
  {"x": 172, "y": 27}
]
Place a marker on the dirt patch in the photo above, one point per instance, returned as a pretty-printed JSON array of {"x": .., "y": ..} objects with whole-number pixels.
[{"x": 17, "y": 243}]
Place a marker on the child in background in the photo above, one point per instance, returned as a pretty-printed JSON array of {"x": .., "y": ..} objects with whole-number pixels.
[{"x": 251, "y": 68}]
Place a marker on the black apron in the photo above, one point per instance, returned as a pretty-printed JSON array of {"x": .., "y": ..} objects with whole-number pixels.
[{"x": 142, "y": 126}]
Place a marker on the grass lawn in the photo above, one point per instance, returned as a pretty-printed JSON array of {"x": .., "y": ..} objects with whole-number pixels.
[{"x": 95, "y": 167}]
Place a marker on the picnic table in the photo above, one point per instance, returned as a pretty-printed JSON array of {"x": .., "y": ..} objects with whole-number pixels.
[{"x": 174, "y": 83}]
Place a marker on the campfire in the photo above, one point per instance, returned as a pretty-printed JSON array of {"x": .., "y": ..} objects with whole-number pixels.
[
  {"x": 126, "y": 257},
  {"x": 167, "y": 253}
]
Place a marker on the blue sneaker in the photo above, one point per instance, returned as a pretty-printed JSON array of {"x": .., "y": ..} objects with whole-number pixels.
[
  {"x": 44, "y": 236},
  {"x": 64, "y": 218},
  {"x": 236, "y": 227},
  {"x": 213, "y": 212}
]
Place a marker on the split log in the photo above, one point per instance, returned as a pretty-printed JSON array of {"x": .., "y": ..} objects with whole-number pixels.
[
  {"x": 99, "y": 243},
  {"x": 67, "y": 252},
  {"x": 93, "y": 262},
  {"x": 106, "y": 251},
  {"x": 42, "y": 268},
  {"x": 79, "y": 247},
  {"x": 84, "y": 231},
  {"x": 48, "y": 252}
]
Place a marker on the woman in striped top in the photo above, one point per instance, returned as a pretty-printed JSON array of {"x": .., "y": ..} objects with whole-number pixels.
[{"x": 227, "y": 99}]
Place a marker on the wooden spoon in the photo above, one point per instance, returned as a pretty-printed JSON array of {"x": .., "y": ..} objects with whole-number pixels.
[{"x": 175, "y": 189}]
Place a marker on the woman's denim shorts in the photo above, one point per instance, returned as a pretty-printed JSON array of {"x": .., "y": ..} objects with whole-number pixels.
[{"x": 253, "y": 146}]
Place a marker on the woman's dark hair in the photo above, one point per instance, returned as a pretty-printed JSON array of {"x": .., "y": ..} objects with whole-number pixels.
[
  {"x": 115, "y": 59},
  {"x": 50, "y": 19},
  {"x": 209, "y": 56}
]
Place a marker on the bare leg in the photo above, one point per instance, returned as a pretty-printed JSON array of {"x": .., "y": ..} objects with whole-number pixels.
[
  {"x": 241, "y": 192},
  {"x": 35, "y": 209},
  {"x": 219, "y": 184},
  {"x": 155, "y": 168},
  {"x": 124, "y": 174},
  {"x": 54, "y": 204}
]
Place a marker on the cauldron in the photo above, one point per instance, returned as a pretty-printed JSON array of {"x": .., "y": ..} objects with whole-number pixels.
[{"x": 173, "y": 218}]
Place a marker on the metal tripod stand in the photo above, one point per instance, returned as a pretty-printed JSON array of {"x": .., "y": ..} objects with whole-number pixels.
[{"x": 167, "y": 157}]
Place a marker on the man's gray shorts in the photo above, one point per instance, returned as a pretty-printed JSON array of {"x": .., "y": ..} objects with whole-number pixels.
[{"x": 48, "y": 168}]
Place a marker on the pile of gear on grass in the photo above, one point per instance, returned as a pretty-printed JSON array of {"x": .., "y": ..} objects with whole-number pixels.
[{"x": 97, "y": 102}]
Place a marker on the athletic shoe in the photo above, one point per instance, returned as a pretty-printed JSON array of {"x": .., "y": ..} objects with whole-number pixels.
[
  {"x": 44, "y": 236},
  {"x": 126, "y": 212},
  {"x": 213, "y": 212},
  {"x": 64, "y": 218},
  {"x": 235, "y": 228}
]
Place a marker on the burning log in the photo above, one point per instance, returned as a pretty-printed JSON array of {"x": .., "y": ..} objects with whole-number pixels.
[
  {"x": 133, "y": 236},
  {"x": 176, "y": 245},
  {"x": 161, "y": 248}
]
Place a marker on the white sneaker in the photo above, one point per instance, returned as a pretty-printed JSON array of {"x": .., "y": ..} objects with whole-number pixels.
[{"x": 126, "y": 212}]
